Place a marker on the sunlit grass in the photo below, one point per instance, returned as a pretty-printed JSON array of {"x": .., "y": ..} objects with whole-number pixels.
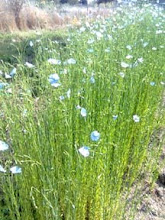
[{"x": 79, "y": 122}]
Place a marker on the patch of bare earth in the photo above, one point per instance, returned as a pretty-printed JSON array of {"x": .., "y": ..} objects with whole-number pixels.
[{"x": 152, "y": 205}]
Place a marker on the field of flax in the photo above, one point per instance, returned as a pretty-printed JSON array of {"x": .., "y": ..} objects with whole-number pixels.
[{"x": 78, "y": 120}]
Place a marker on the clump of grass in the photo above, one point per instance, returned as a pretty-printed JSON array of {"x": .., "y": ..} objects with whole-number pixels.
[{"x": 107, "y": 79}]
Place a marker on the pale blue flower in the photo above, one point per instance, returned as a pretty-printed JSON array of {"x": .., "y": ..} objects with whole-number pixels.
[
  {"x": 92, "y": 79},
  {"x": 54, "y": 61},
  {"x": 2, "y": 169},
  {"x": 145, "y": 44},
  {"x": 78, "y": 107},
  {"x": 62, "y": 97},
  {"x": 64, "y": 71},
  {"x": 16, "y": 169},
  {"x": 68, "y": 93},
  {"x": 95, "y": 136},
  {"x": 13, "y": 72},
  {"x": 3, "y": 85},
  {"x": 124, "y": 65},
  {"x": 83, "y": 112},
  {"x": 152, "y": 83},
  {"x": 54, "y": 80},
  {"x": 122, "y": 74},
  {"x": 3, "y": 146},
  {"x": 136, "y": 118},
  {"x": 90, "y": 50},
  {"x": 115, "y": 117},
  {"x": 90, "y": 41},
  {"x": 84, "y": 80},
  {"x": 82, "y": 29},
  {"x": 24, "y": 113},
  {"x": 71, "y": 61},
  {"x": 84, "y": 151},
  {"x": 107, "y": 50}
]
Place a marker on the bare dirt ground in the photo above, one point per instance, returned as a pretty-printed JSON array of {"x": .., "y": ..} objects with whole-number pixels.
[{"x": 152, "y": 205}]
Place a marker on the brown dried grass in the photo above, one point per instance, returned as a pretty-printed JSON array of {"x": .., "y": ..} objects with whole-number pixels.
[{"x": 31, "y": 16}]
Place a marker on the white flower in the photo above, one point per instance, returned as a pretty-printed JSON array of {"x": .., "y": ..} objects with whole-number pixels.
[
  {"x": 99, "y": 35},
  {"x": 9, "y": 90},
  {"x": 136, "y": 118},
  {"x": 95, "y": 136},
  {"x": 140, "y": 60},
  {"x": 2, "y": 169},
  {"x": 3, "y": 146},
  {"x": 124, "y": 65},
  {"x": 54, "y": 61},
  {"x": 84, "y": 70},
  {"x": 71, "y": 61},
  {"x": 82, "y": 29},
  {"x": 31, "y": 43},
  {"x": 68, "y": 93},
  {"x": 90, "y": 41},
  {"x": 154, "y": 48},
  {"x": 7, "y": 76},
  {"x": 78, "y": 107},
  {"x": 15, "y": 169},
  {"x": 129, "y": 57},
  {"x": 29, "y": 65},
  {"x": 129, "y": 47},
  {"x": 84, "y": 151},
  {"x": 159, "y": 32}
]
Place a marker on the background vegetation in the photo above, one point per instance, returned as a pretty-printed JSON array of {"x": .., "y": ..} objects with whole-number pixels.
[{"x": 108, "y": 76}]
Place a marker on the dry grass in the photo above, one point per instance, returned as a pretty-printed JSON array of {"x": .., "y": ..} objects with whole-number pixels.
[
  {"x": 34, "y": 18},
  {"x": 31, "y": 16}
]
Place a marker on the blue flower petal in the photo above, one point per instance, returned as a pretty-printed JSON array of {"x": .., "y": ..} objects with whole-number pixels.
[
  {"x": 83, "y": 112},
  {"x": 3, "y": 146},
  {"x": 16, "y": 169},
  {"x": 95, "y": 136}
]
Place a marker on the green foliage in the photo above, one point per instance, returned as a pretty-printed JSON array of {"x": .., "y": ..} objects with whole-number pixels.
[{"x": 45, "y": 132}]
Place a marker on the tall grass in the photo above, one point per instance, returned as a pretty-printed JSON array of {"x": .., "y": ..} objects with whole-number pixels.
[{"x": 44, "y": 127}]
